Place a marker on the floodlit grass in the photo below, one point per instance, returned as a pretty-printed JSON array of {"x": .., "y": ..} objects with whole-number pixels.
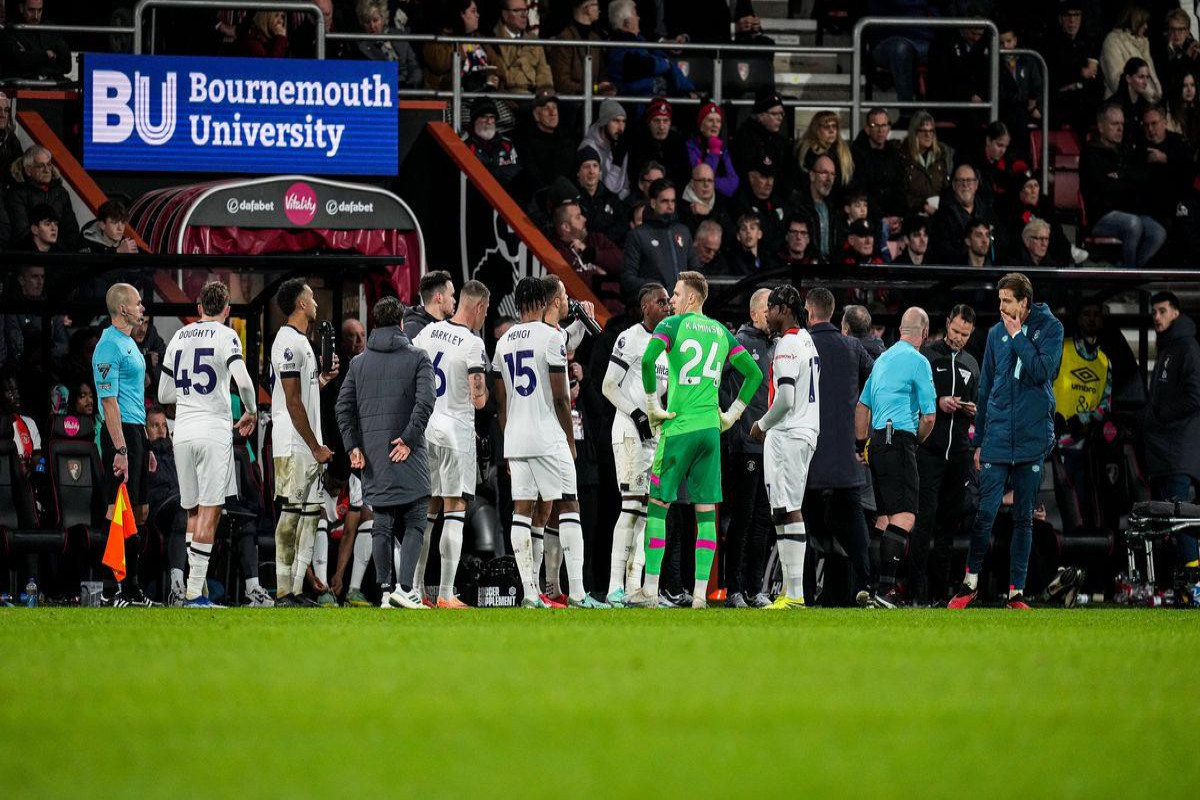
[{"x": 346, "y": 703}]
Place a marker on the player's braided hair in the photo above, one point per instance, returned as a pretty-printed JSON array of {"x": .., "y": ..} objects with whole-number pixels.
[
  {"x": 530, "y": 295},
  {"x": 788, "y": 296}
]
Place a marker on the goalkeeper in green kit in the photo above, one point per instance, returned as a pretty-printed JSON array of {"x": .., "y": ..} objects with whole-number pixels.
[{"x": 690, "y": 446}]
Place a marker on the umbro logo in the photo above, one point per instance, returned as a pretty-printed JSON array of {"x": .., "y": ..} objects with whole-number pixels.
[{"x": 1085, "y": 374}]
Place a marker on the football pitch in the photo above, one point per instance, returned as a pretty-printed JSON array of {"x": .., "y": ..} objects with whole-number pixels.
[{"x": 344, "y": 703}]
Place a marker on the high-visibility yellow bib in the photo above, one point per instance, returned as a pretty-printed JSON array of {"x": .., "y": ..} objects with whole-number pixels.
[{"x": 1079, "y": 386}]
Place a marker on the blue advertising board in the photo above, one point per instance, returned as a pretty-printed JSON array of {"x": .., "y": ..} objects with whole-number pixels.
[{"x": 231, "y": 115}]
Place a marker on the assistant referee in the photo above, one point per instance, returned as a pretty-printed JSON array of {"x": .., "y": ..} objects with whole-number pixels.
[
  {"x": 119, "y": 371},
  {"x": 895, "y": 412}
]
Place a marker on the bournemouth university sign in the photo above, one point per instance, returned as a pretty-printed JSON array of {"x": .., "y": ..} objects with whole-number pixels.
[{"x": 230, "y": 115}]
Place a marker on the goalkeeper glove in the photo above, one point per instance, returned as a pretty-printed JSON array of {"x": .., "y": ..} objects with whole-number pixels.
[
  {"x": 642, "y": 423},
  {"x": 730, "y": 417},
  {"x": 655, "y": 412}
]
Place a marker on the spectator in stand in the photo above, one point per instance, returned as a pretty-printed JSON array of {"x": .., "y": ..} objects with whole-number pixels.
[
  {"x": 1134, "y": 98},
  {"x": 758, "y": 197},
  {"x": 522, "y": 67},
  {"x": 43, "y": 231},
  {"x": 856, "y": 207},
  {"x": 658, "y": 249},
  {"x": 23, "y": 331},
  {"x": 707, "y": 246},
  {"x": 1171, "y": 421},
  {"x": 901, "y": 49},
  {"x": 916, "y": 241},
  {"x": 824, "y": 138},
  {"x": 750, "y": 256},
  {"x": 1074, "y": 63},
  {"x": 708, "y": 147},
  {"x": 761, "y": 140},
  {"x": 636, "y": 70},
  {"x": 1177, "y": 51},
  {"x": 832, "y": 498},
  {"x": 1026, "y": 203},
  {"x": 1035, "y": 249},
  {"x": 304, "y": 33},
  {"x": 748, "y": 509},
  {"x": 859, "y": 247},
  {"x": 879, "y": 169},
  {"x": 589, "y": 254},
  {"x": 960, "y": 67},
  {"x": 373, "y": 17},
  {"x": 944, "y": 459},
  {"x": 1169, "y": 163},
  {"x": 927, "y": 165},
  {"x": 493, "y": 149},
  {"x": 107, "y": 233},
  {"x": 655, "y": 139},
  {"x": 566, "y": 63},
  {"x": 82, "y": 399},
  {"x": 462, "y": 19},
  {"x": 34, "y": 53},
  {"x": 604, "y": 211},
  {"x": 10, "y": 146},
  {"x": 1124, "y": 42},
  {"x": 1184, "y": 109},
  {"x": 977, "y": 238},
  {"x": 1116, "y": 191},
  {"x": 437, "y": 303},
  {"x": 38, "y": 182},
  {"x": 1020, "y": 82},
  {"x": 701, "y": 201},
  {"x": 547, "y": 150},
  {"x": 648, "y": 174},
  {"x": 264, "y": 35},
  {"x": 607, "y": 138},
  {"x": 948, "y": 228},
  {"x": 993, "y": 167},
  {"x": 798, "y": 249},
  {"x": 816, "y": 208}
]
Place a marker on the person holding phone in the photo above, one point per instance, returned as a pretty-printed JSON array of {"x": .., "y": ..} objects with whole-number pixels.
[{"x": 944, "y": 459}]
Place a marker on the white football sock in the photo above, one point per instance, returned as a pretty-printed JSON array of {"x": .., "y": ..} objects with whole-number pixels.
[
  {"x": 419, "y": 573},
  {"x": 198, "y": 556},
  {"x": 285, "y": 549},
  {"x": 306, "y": 538},
  {"x": 633, "y": 572},
  {"x": 320, "y": 560},
  {"x": 522, "y": 544},
  {"x": 537, "y": 551},
  {"x": 572, "y": 551},
  {"x": 793, "y": 542},
  {"x": 972, "y": 580},
  {"x": 553, "y": 552},
  {"x": 622, "y": 544},
  {"x": 251, "y": 585},
  {"x": 450, "y": 549},
  {"x": 362, "y": 555}
]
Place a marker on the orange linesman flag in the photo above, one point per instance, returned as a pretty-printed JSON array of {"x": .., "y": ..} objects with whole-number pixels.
[{"x": 122, "y": 527}]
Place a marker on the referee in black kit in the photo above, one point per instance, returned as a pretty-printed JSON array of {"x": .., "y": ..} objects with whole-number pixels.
[{"x": 895, "y": 412}]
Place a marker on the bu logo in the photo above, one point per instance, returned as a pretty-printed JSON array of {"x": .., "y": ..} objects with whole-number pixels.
[
  {"x": 113, "y": 118},
  {"x": 75, "y": 469}
]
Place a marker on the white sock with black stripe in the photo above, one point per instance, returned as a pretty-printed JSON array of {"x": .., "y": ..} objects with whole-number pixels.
[
  {"x": 522, "y": 544},
  {"x": 637, "y": 566},
  {"x": 306, "y": 537},
  {"x": 622, "y": 544},
  {"x": 538, "y": 545},
  {"x": 554, "y": 559},
  {"x": 571, "y": 532},
  {"x": 198, "y": 555},
  {"x": 320, "y": 559},
  {"x": 793, "y": 542}
]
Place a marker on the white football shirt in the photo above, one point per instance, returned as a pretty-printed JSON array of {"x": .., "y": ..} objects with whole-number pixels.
[
  {"x": 292, "y": 357},
  {"x": 528, "y": 357},
  {"x": 456, "y": 354},
  {"x": 627, "y": 355},
  {"x": 198, "y": 357},
  {"x": 796, "y": 362}
]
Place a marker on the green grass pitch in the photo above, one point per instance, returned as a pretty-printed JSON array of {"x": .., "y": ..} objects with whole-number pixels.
[{"x": 366, "y": 703}]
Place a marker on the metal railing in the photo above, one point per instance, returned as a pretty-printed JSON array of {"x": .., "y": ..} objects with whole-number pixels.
[
  {"x": 224, "y": 5},
  {"x": 1045, "y": 107}
]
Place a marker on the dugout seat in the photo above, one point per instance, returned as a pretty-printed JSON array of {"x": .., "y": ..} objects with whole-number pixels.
[
  {"x": 77, "y": 481},
  {"x": 20, "y": 534}
]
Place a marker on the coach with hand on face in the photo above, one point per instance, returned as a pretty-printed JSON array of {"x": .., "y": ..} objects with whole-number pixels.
[{"x": 382, "y": 411}]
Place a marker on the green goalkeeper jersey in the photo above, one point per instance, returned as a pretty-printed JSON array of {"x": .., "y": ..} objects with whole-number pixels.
[{"x": 697, "y": 348}]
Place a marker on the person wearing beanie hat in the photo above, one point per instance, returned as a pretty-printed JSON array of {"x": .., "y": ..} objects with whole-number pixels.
[
  {"x": 634, "y": 69},
  {"x": 495, "y": 150},
  {"x": 604, "y": 211},
  {"x": 859, "y": 247},
  {"x": 707, "y": 146},
  {"x": 547, "y": 149},
  {"x": 762, "y": 138},
  {"x": 654, "y": 138},
  {"x": 607, "y": 137},
  {"x": 759, "y": 196}
]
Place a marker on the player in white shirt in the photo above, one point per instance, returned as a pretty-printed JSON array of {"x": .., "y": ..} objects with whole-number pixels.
[
  {"x": 197, "y": 366},
  {"x": 530, "y": 378},
  {"x": 296, "y": 438},
  {"x": 790, "y": 429},
  {"x": 633, "y": 439},
  {"x": 459, "y": 369}
]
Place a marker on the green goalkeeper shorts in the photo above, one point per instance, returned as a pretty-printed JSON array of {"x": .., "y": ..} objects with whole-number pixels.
[{"x": 694, "y": 456}]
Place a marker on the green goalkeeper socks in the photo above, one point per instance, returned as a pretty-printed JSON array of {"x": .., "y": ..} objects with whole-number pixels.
[
  {"x": 656, "y": 537},
  {"x": 706, "y": 543}
]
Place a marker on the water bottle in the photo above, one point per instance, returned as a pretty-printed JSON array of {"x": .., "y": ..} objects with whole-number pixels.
[{"x": 30, "y": 595}]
